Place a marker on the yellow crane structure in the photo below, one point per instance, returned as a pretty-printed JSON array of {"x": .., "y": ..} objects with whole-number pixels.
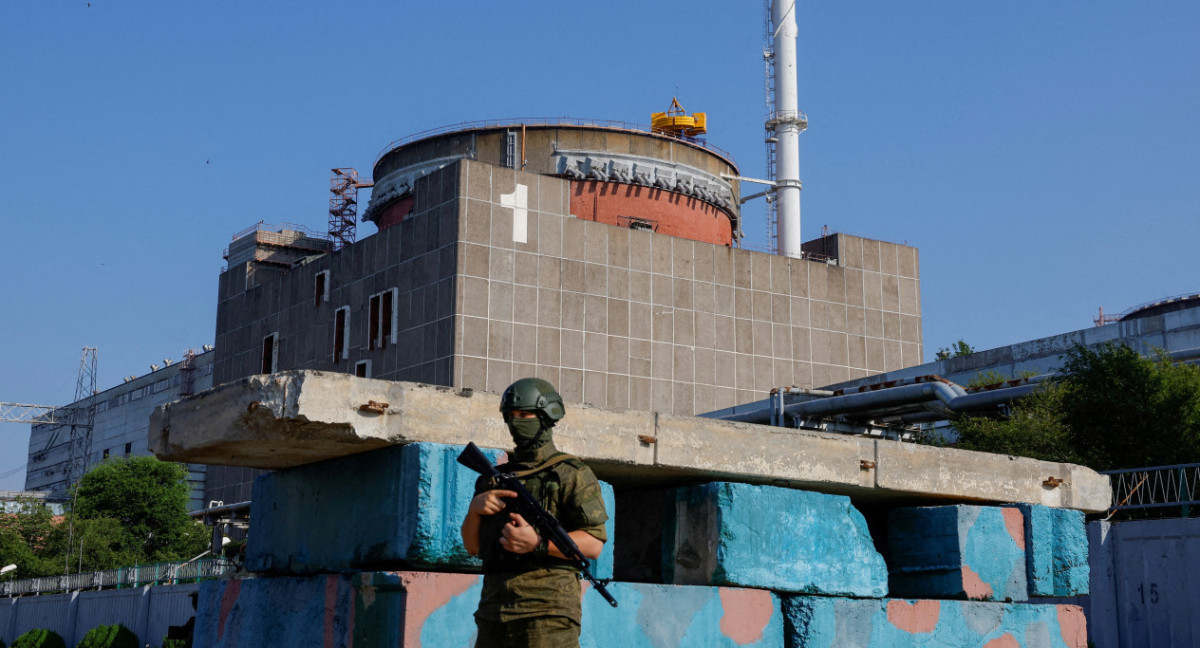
[{"x": 677, "y": 122}]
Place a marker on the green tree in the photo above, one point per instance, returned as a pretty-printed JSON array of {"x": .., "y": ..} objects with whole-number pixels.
[
  {"x": 147, "y": 499},
  {"x": 27, "y": 539},
  {"x": 955, "y": 350},
  {"x": 1129, "y": 411},
  {"x": 1108, "y": 408},
  {"x": 1035, "y": 429}
]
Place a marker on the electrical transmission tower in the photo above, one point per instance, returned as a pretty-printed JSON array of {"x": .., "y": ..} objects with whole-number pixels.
[
  {"x": 84, "y": 418},
  {"x": 79, "y": 418}
]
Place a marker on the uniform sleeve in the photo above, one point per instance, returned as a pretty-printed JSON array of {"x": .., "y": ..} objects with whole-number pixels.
[{"x": 582, "y": 507}]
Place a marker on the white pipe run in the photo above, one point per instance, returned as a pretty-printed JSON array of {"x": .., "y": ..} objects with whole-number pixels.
[{"x": 787, "y": 130}]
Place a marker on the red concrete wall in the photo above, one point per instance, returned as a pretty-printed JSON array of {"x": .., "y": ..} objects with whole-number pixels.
[
  {"x": 395, "y": 213},
  {"x": 676, "y": 214}
]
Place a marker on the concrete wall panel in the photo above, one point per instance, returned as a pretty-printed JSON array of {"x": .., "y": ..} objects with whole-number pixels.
[
  {"x": 772, "y": 538},
  {"x": 815, "y": 622},
  {"x": 400, "y": 506},
  {"x": 147, "y": 611},
  {"x": 1145, "y": 583},
  {"x": 413, "y": 609},
  {"x": 974, "y": 552},
  {"x": 1057, "y": 551}
]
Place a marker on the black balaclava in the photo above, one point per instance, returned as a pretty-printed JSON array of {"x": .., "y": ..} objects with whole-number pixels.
[{"x": 533, "y": 438}]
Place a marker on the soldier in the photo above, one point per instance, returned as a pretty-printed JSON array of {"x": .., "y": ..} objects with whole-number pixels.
[{"x": 530, "y": 592}]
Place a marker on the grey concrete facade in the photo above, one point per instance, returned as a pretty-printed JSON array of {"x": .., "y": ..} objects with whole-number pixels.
[
  {"x": 484, "y": 292},
  {"x": 121, "y": 426}
]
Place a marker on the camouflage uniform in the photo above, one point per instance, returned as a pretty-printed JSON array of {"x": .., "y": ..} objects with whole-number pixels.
[{"x": 531, "y": 600}]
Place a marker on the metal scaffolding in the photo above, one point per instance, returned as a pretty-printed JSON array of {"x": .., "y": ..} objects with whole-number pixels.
[{"x": 343, "y": 206}]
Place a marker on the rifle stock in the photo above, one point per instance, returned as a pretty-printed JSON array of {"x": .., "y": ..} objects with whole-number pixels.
[{"x": 541, "y": 519}]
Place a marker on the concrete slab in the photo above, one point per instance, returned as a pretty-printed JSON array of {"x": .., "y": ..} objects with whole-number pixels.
[
  {"x": 299, "y": 417},
  {"x": 413, "y": 609},
  {"x": 396, "y": 507},
  {"x": 765, "y": 537},
  {"x": 821, "y": 622},
  {"x": 972, "y": 552},
  {"x": 1057, "y": 549}
]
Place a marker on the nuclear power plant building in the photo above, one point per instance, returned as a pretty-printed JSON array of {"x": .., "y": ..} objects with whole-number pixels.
[{"x": 601, "y": 257}]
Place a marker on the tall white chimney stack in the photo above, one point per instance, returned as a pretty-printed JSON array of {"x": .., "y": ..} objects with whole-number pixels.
[{"x": 787, "y": 123}]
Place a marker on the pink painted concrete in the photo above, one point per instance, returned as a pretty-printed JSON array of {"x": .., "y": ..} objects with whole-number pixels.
[
  {"x": 228, "y": 599},
  {"x": 974, "y": 586},
  {"x": 1003, "y": 641},
  {"x": 918, "y": 616},
  {"x": 331, "y": 583},
  {"x": 747, "y": 613},
  {"x": 428, "y": 591},
  {"x": 1015, "y": 523},
  {"x": 1073, "y": 626}
]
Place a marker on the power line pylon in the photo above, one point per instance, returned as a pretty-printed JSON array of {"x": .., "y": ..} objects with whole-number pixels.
[{"x": 83, "y": 418}]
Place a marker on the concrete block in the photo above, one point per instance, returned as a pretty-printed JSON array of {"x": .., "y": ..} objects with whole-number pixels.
[
  {"x": 973, "y": 552},
  {"x": 1056, "y": 549},
  {"x": 816, "y": 622},
  {"x": 413, "y": 609},
  {"x": 773, "y": 538},
  {"x": 298, "y": 417},
  {"x": 396, "y": 507}
]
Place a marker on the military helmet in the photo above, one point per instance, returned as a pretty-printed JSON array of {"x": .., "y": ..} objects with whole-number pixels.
[{"x": 535, "y": 395}]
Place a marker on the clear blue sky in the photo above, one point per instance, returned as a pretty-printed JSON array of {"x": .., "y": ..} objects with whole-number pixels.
[{"x": 1042, "y": 155}]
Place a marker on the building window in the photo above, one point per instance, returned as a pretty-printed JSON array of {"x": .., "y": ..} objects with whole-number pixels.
[
  {"x": 382, "y": 311},
  {"x": 105, "y": 454},
  {"x": 270, "y": 353},
  {"x": 341, "y": 334},
  {"x": 387, "y": 318},
  {"x": 128, "y": 448},
  {"x": 321, "y": 288},
  {"x": 362, "y": 369},
  {"x": 373, "y": 322}
]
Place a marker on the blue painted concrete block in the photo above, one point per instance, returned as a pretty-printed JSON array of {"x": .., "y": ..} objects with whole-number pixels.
[
  {"x": 412, "y": 609},
  {"x": 394, "y": 507},
  {"x": 772, "y": 538},
  {"x": 1057, "y": 551},
  {"x": 820, "y": 622},
  {"x": 973, "y": 552}
]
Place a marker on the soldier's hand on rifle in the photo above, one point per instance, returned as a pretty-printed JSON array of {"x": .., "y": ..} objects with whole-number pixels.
[
  {"x": 519, "y": 536},
  {"x": 490, "y": 502}
]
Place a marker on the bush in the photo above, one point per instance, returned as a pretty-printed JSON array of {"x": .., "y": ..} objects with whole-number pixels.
[
  {"x": 40, "y": 638},
  {"x": 172, "y": 643},
  {"x": 109, "y": 636}
]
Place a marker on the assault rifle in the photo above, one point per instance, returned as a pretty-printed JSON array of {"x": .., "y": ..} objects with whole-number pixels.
[{"x": 547, "y": 525}]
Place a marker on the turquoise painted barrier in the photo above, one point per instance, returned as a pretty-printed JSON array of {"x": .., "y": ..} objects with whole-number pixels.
[
  {"x": 818, "y": 622},
  {"x": 414, "y": 609},
  {"x": 1057, "y": 549},
  {"x": 394, "y": 508},
  {"x": 770, "y": 538},
  {"x": 972, "y": 552}
]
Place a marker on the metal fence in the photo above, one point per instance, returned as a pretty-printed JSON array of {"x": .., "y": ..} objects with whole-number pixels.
[
  {"x": 156, "y": 574},
  {"x": 1160, "y": 486}
]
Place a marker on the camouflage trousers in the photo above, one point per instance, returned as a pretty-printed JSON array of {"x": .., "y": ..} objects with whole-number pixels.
[{"x": 536, "y": 632}]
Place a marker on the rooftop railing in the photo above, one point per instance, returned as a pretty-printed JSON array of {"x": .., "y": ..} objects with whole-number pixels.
[{"x": 550, "y": 121}]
